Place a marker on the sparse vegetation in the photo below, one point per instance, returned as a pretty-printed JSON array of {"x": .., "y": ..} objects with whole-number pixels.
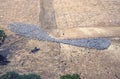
[
  {"x": 3, "y": 60},
  {"x": 68, "y": 76},
  {"x": 14, "y": 75},
  {"x": 2, "y": 37}
]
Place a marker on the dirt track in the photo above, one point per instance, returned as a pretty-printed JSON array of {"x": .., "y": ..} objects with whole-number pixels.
[{"x": 63, "y": 19}]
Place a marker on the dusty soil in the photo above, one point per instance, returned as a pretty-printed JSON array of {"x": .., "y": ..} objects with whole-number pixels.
[{"x": 63, "y": 19}]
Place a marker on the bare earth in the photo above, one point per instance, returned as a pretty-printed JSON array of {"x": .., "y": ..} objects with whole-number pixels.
[{"x": 63, "y": 19}]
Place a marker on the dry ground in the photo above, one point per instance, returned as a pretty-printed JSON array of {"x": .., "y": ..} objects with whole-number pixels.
[{"x": 63, "y": 19}]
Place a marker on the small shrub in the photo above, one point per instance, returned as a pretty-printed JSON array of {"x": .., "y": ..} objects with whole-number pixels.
[
  {"x": 10, "y": 75},
  {"x": 14, "y": 75},
  {"x": 30, "y": 76},
  {"x": 68, "y": 76},
  {"x": 2, "y": 36},
  {"x": 3, "y": 60}
]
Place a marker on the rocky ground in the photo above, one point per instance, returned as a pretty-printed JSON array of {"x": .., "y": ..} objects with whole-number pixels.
[{"x": 62, "y": 19}]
